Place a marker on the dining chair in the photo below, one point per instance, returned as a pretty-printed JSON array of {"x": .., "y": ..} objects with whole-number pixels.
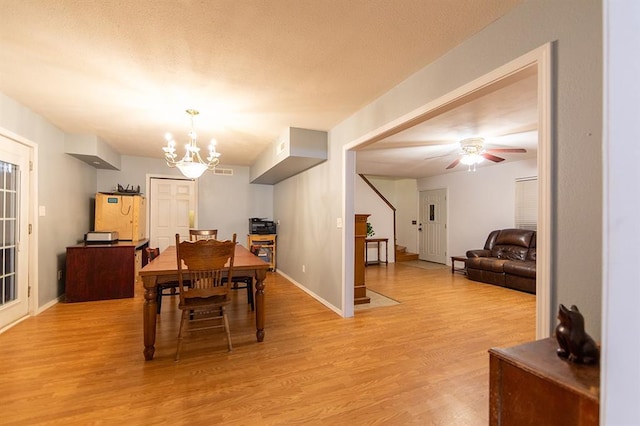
[
  {"x": 248, "y": 280},
  {"x": 240, "y": 282},
  {"x": 172, "y": 286},
  {"x": 203, "y": 234},
  {"x": 204, "y": 294}
]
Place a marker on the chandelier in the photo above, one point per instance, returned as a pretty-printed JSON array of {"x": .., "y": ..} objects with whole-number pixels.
[{"x": 191, "y": 165}]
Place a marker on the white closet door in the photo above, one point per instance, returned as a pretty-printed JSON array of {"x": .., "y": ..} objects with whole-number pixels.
[{"x": 172, "y": 208}]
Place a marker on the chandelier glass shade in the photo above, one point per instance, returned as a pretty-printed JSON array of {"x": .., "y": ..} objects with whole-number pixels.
[{"x": 191, "y": 165}]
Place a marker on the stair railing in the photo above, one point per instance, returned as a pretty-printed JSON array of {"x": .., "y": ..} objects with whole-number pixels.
[{"x": 368, "y": 182}]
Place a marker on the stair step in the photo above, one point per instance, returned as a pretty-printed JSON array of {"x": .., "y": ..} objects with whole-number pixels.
[{"x": 405, "y": 256}]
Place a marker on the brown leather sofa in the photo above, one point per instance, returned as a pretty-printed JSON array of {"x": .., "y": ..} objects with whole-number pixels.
[{"x": 508, "y": 260}]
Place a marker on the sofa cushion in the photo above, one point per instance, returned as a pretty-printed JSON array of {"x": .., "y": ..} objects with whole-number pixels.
[
  {"x": 515, "y": 237},
  {"x": 531, "y": 255},
  {"x": 509, "y": 252},
  {"x": 486, "y": 264},
  {"x": 522, "y": 269}
]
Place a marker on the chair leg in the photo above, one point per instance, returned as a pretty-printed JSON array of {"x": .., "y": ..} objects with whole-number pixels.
[
  {"x": 250, "y": 293},
  {"x": 226, "y": 327},
  {"x": 182, "y": 323},
  {"x": 159, "y": 300}
]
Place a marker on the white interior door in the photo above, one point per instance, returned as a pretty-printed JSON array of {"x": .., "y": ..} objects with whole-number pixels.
[
  {"x": 14, "y": 231},
  {"x": 433, "y": 226},
  {"x": 172, "y": 207}
]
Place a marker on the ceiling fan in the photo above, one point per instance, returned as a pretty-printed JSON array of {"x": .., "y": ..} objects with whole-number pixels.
[{"x": 473, "y": 153}]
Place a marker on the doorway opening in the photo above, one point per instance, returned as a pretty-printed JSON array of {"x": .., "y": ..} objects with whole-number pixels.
[{"x": 539, "y": 60}]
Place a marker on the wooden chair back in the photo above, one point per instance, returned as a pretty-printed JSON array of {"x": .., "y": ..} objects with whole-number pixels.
[
  {"x": 203, "y": 234},
  {"x": 207, "y": 262},
  {"x": 152, "y": 253}
]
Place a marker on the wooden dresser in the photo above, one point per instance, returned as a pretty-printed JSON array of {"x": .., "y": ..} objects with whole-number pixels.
[
  {"x": 531, "y": 385},
  {"x": 103, "y": 271}
]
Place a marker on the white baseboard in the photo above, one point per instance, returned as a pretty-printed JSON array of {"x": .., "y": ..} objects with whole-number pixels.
[
  {"x": 312, "y": 294},
  {"x": 46, "y": 306}
]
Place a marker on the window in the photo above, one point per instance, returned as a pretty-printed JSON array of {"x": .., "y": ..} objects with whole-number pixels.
[{"x": 527, "y": 203}]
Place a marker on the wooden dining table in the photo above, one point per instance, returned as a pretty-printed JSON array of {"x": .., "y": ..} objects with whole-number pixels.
[{"x": 165, "y": 266}]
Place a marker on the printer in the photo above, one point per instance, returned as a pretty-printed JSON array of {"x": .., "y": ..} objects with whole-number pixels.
[{"x": 261, "y": 226}]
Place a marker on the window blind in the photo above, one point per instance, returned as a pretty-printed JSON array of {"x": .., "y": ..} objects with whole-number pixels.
[{"x": 527, "y": 203}]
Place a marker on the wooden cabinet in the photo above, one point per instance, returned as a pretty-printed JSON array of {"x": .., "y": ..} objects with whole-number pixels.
[
  {"x": 267, "y": 243},
  {"x": 531, "y": 385},
  {"x": 103, "y": 271},
  {"x": 122, "y": 213},
  {"x": 360, "y": 289}
]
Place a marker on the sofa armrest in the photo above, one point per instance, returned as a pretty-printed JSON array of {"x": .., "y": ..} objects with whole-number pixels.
[{"x": 479, "y": 253}]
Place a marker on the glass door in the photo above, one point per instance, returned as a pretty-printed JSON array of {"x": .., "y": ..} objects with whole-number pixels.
[{"x": 14, "y": 241}]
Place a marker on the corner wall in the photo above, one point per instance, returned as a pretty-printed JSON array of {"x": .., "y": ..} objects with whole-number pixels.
[{"x": 65, "y": 188}]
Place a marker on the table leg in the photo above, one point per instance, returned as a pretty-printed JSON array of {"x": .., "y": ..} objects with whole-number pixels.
[
  {"x": 149, "y": 313},
  {"x": 386, "y": 252},
  {"x": 366, "y": 254},
  {"x": 259, "y": 301}
]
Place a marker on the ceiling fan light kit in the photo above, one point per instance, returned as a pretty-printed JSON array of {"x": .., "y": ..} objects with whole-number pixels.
[{"x": 473, "y": 153}]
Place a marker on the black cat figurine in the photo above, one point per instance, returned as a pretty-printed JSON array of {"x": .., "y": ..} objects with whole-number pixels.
[{"x": 575, "y": 344}]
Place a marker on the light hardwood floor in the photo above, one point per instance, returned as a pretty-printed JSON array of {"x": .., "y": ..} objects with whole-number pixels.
[{"x": 421, "y": 362}]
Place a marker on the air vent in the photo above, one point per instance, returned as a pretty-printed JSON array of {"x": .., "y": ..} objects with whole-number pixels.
[{"x": 225, "y": 172}]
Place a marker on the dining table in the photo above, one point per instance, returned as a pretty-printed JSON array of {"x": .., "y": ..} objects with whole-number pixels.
[{"x": 165, "y": 268}]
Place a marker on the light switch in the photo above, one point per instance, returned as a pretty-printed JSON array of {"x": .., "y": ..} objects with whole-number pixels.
[
  {"x": 339, "y": 222},
  {"x": 42, "y": 211}
]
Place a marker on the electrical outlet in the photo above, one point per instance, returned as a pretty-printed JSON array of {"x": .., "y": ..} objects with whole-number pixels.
[
  {"x": 304, "y": 268},
  {"x": 339, "y": 222}
]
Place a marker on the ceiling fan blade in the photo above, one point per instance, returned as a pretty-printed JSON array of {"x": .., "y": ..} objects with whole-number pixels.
[
  {"x": 434, "y": 157},
  {"x": 452, "y": 165},
  {"x": 492, "y": 157},
  {"x": 514, "y": 150}
]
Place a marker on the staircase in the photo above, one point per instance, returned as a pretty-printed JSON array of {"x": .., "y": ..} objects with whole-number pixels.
[{"x": 402, "y": 255}]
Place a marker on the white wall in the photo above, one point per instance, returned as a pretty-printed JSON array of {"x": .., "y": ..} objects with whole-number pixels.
[
  {"x": 620, "y": 374},
  {"x": 65, "y": 187},
  {"x": 403, "y": 195},
  {"x": 381, "y": 219},
  {"x": 224, "y": 202},
  {"x": 479, "y": 202},
  {"x": 407, "y": 202}
]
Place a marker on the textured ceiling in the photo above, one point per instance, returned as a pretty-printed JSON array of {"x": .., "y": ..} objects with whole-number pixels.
[{"x": 126, "y": 70}]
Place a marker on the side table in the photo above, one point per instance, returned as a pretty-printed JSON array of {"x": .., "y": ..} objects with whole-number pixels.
[
  {"x": 376, "y": 241},
  {"x": 455, "y": 259}
]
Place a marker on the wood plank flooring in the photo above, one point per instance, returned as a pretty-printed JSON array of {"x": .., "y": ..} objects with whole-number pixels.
[{"x": 422, "y": 362}]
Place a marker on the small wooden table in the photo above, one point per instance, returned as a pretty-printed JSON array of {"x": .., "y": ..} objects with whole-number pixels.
[
  {"x": 165, "y": 265},
  {"x": 455, "y": 259},
  {"x": 376, "y": 241}
]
